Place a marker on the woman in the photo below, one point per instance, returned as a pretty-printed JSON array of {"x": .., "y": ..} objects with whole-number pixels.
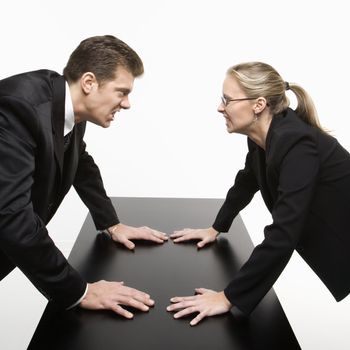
[{"x": 303, "y": 175}]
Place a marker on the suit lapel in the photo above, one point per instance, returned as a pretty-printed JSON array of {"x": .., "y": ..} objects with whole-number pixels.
[{"x": 58, "y": 110}]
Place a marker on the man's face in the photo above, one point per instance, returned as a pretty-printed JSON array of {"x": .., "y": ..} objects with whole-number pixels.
[{"x": 104, "y": 100}]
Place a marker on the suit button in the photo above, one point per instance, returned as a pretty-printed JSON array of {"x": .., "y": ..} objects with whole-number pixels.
[{"x": 50, "y": 206}]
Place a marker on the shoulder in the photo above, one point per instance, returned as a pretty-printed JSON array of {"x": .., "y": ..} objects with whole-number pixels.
[
  {"x": 23, "y": 96},
  {"x": 286, "y": 131},
  {"x": 31, "y": 87}
]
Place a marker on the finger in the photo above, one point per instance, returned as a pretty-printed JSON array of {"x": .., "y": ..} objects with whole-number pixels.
[
  {"x": 176, "y": 305},
  {"x": 203, "y": 290},
  {"x": 205, "y": 241},
  {"x": 137, "y": 295},
  {"x": 147, "y": 301},
  {"x": 129, "y": 301},
  {"x": 120, "y": 311},
  {"x": 178, "y": 233},
  {"x": 151, "y": 237},
  {"x": 117, "y": 283},
  {"x": 160, "y": 235},
  {"x": 181, "y": 305},
  {"x": 202, "y": 243},
  {"x": 182, "y": 232},
  {"x": 198, "y": 318},
  {"x": 187, "y": 237},
  {"x": 148, "y": 234},
  {"x": 186, "y": 311},
  {"x": 127, "y": 243},
  {"x": 178, "y": 299}
]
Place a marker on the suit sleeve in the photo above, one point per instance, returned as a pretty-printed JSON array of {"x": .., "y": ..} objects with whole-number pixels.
[
  {"x": 238, "y": 196},
  {"x": 89, "y": 186},
  {"x": 297, "y": 181},
  {"x": 23, "y": 236}
]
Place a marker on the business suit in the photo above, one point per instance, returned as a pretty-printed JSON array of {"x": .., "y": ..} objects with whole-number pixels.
[
  {"x": 35, "y": 175},
  {"x": 304, "y": 179}
]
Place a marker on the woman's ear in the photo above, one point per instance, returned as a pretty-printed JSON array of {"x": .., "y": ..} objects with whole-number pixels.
[
  {"x": 88, "y": 82},
  {"x": 260, "y": 105}
]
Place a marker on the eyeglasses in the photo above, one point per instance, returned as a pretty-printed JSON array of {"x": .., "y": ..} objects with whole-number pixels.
[{"x": 225, "y": 101}]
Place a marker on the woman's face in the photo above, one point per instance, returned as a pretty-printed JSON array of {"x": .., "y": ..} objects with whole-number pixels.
[{"x": 236, "y": 109}]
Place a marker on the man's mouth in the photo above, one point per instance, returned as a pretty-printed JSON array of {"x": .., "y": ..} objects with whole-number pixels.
[{"x": 113, "y": 114}]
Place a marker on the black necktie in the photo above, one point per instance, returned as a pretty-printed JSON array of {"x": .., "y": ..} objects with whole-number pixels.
[{"x": 67, "y": 141}]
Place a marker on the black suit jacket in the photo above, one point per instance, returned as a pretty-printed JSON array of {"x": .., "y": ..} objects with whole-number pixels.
[
  {"x": 304, "y": 179},
  {"x": 35, "y": 175}
]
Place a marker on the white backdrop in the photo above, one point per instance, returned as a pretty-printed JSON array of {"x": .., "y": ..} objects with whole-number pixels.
[{"x": 172, "y": 142}]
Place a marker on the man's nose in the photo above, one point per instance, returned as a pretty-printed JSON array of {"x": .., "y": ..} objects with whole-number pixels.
[{"x": 125, "y": 103}]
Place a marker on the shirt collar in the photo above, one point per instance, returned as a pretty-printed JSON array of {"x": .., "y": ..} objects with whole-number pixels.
[{"x": 68, "y": 112}]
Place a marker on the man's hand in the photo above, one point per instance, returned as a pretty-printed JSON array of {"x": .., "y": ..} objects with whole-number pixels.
[
  {"x": 207, "y": 303},
  {"x": 123, "y": 234},
  {"x": 204, "y": 235},
  {"x": 104, "y": 295}
]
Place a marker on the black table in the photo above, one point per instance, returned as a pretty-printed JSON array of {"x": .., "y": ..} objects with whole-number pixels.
[{"x": 164, "y": 271}]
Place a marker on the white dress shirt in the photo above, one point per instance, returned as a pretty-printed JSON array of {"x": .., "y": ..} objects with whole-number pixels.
[{"x": 68, "y": 127}]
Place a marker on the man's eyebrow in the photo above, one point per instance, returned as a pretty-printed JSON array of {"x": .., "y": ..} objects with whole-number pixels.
[{"x": 124, "y": 90}]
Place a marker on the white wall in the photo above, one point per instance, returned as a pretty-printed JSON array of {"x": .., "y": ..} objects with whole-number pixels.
[{"x": 173, "y": 143}]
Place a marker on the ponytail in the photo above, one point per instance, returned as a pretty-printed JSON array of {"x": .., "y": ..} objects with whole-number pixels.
[
  {"x": 260, "y": 79},
  {"x": 305, "y": 109}
]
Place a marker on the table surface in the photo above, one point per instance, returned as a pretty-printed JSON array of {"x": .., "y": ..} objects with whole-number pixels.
[{"x": 164, "y": 271}]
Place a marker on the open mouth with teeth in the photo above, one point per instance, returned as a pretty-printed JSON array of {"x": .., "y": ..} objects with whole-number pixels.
[{"x": 113, "y": 114}]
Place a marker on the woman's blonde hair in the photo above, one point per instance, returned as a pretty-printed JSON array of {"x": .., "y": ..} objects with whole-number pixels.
[{"x": 259, "y": 79}]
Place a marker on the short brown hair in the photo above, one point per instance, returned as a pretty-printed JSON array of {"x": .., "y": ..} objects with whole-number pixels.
[{"x": 102, "y": 55}]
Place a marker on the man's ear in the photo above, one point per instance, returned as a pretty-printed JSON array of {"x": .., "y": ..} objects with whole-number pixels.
[
  {"x": 88, "y": 82},
  {"x": 260, "y": 105}
]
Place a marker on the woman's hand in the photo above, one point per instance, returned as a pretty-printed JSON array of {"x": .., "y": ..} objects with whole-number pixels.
[
  {"x": 205, "y": 236},
  {"x": 207, "y": 303}
]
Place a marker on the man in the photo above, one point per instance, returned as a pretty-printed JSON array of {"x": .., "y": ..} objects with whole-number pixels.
[{"x": 43, "y": 117}]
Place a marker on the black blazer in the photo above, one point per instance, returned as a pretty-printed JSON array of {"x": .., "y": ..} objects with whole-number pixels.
[
  {"x": 304, "y": 179},
  {"x": 35, "y": 175}
]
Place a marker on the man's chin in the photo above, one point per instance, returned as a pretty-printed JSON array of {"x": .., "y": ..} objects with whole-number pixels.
[{"x": 106, "y": 124}]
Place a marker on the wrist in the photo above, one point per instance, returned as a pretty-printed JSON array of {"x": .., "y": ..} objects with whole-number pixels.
[
  {"x": 79, "y": 301},
  {"x": 214, "y": 232},
  {"x": 113, "y": 228},
  {"x": 226, "y": 301}
]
